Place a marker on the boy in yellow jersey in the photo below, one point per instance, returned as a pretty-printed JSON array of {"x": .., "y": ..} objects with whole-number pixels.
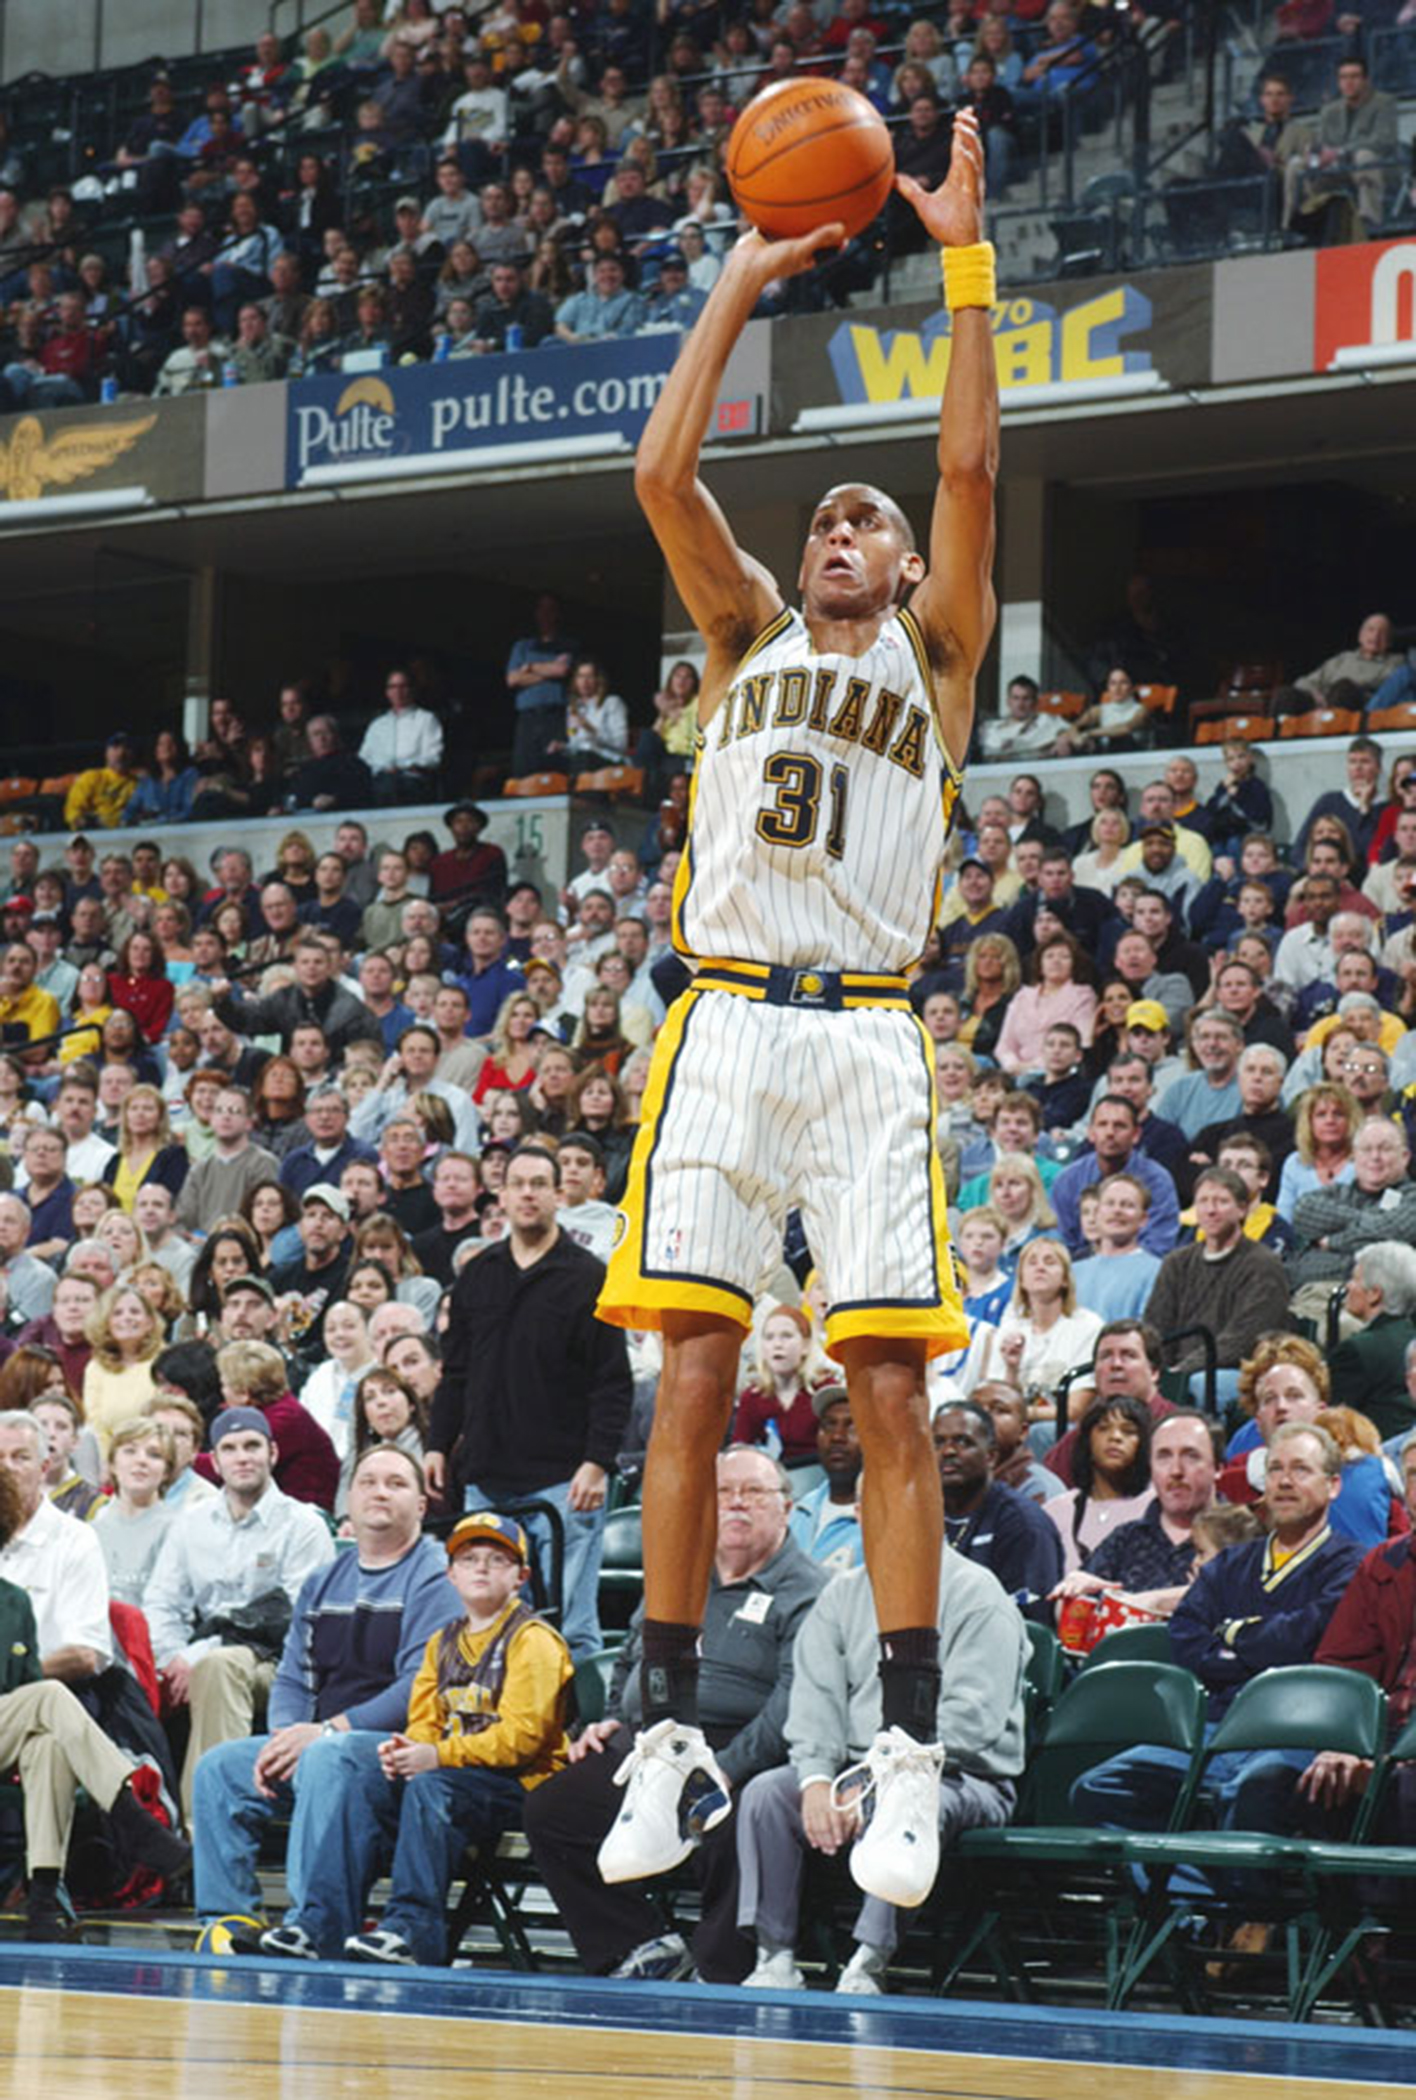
[
  {"x": 792, "y": 1071},
  {"x": 486, "y": 1721}
]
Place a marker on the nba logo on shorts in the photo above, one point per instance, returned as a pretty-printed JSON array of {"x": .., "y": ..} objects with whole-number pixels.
[{"x": 673, "y": 1245}]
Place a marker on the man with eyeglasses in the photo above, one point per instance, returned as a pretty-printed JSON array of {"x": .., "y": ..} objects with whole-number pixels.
[
  {"x": 403, "y": 747},
  {"x": 761, "y": 1588}
]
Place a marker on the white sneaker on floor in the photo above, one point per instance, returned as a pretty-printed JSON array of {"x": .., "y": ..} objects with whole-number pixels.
[
  {"x": 861, "y": 1977},
  {"x": 674, "y": 1794},
  {"x": 776, "y": 1972},
  {"x": 896, "y": 1856}
]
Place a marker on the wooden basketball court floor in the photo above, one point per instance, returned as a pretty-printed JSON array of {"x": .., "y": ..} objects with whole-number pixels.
[{"x": 112, "y": 2024}]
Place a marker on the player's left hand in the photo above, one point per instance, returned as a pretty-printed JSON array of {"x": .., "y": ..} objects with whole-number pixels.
[{"x": 953, "y": 214}]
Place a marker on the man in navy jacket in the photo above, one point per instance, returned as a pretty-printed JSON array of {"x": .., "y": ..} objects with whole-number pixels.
[{"x": 1253, "y": 1608}]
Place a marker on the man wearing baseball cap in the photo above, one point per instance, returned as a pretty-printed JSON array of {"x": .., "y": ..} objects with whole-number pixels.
[
  {"x": 826, "y": 1521},
  {"x": 486, "y": 1725},
  {"x": 318, "y": 1276},
  {"x": 229, "y": 1558}
]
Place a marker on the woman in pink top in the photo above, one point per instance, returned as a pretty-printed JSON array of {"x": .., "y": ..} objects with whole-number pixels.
[
  {"x": 1112, "y": 1472},
  {"x": 1055, "y": 994}
]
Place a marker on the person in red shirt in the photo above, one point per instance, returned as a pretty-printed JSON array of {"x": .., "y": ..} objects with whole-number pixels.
[
  {"x": 69, "y": 351},
  {"x": 854, "y": 14},
  {"x": 776, "y": 1409},
  {"x": 139, "y": 984},
  {"x": 468, "y": 871}
]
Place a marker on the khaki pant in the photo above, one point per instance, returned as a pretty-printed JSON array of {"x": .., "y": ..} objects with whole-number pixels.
[
  {"x": 229, "y": 1687},
  {"x": 58, "y": 1748}
]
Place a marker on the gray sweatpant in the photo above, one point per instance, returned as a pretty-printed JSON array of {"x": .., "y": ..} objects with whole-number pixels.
[{"x": 771, "y": 1847}]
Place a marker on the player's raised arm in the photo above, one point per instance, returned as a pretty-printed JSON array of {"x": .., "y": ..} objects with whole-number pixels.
[
  {"x": 955, "y": 605},
  {"x": 730, "y": 596}
]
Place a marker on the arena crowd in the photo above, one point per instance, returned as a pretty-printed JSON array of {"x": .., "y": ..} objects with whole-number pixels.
[
  {"x": 414, "y": 182},
  {"x": 310, "y": 1173}
]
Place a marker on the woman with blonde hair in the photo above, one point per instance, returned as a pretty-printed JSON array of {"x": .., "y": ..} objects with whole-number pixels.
[
  {"x": 329, "y": 1392},
  {"x": 159, "y": 1287},
  {"x": 992, "y": 974},
  {"x": 124, "y": 1238},
  {"x": 125, "y": 1334},
  {"x": 1101, "y": 869},
  {"x": 1016, "y": 1192},
  {"x": 1325, "y": 1130},
  {"x": 1044, "y": 1333},
  {"x": 511, "y": 1056},
  {"x": 147, "y": 1150},
  {"x": 133, "y": 1521},
  {"x": 599, "y": 1038},
  {"x": 925, "y": 47},
  {"x": 776, "y": 1409}
]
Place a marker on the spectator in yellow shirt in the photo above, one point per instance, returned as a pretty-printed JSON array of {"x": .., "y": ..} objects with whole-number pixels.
[
  {"x": 486, "y": 1722},
  {"x": 22, "y": 1001},
  {"x": 100, "y": 795}
]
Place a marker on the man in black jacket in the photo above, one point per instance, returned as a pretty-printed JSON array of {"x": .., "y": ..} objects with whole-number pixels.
[
  {"x": 312, "y": 1000},
  {"x": 536, "y": 1391}
]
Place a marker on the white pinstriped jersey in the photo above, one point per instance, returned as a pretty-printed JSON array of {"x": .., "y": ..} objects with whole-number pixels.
[{"x": 822, "y": 801}]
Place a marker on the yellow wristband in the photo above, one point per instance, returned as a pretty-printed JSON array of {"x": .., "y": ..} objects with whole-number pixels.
[{"x": 970, "y": 278}]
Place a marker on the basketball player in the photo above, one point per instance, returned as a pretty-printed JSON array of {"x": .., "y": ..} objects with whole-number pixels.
[{"x": 793, "y": 1070}]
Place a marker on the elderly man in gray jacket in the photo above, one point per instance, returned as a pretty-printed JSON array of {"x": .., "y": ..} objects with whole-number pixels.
[{"x": 832, "y": 1718}]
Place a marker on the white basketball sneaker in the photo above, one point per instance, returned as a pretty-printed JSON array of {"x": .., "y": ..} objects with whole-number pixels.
[
  {"x": 777, "y": 1971},
  {"x": 674, "y": 1794},
  {"x": 896, "y": 1792}
]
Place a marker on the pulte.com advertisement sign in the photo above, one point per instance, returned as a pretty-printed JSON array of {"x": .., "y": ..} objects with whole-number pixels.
[{"x": 462, "y": 406}]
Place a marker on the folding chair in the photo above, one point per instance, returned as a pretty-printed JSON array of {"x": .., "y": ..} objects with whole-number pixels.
[
  {"x": 1305, "y": 1706},
  {"x": 1322, "y": 721},
  {"x": 1149, "y": 1644},
  {"x": 1101, "y": 1713}
]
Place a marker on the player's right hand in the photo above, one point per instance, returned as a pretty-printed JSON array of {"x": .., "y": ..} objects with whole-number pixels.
[{"x": 766, "y": 260}]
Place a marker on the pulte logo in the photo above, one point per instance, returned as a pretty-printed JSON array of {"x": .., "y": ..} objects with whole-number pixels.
[
  {"x": 1035, "y": 345},
  {"x": 362, "y": 424}
]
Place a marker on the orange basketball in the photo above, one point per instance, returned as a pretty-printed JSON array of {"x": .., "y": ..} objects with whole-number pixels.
[{"x": 809, "y": 151}]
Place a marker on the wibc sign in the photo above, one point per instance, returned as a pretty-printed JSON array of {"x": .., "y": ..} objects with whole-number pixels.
[
  {"x": 1364, "y": 299},
  {"x": 1034, "y": 344},
  {"x": 570, "y": 391}
]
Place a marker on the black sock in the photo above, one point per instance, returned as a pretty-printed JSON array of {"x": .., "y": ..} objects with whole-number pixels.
[
  {"x": 669, "y": 1671},
  {"x": 44, "y": 1881},
  {"x": 910, "y": 1681}
]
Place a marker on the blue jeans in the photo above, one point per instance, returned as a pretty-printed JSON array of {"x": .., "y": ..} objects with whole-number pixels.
[
  {"x": 584, "y": 1544},
  {"x": 1394, "y": 691},
  {"x": 343, "y": 1817},
  {"x": 1248, "y": 1789},
  {"x": 440, "y": 1814}
]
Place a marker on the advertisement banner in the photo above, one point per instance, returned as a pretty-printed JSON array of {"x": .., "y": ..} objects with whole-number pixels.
[
  {"x": 1365, "y": 300},
  {"x": 1155, "y": 326},
  {"x": 142, "y": 452},
  {"x": 566, "y": 394}
]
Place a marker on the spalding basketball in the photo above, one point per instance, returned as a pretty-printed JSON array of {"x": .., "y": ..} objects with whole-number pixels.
[{"x": 806, "y": 152}]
